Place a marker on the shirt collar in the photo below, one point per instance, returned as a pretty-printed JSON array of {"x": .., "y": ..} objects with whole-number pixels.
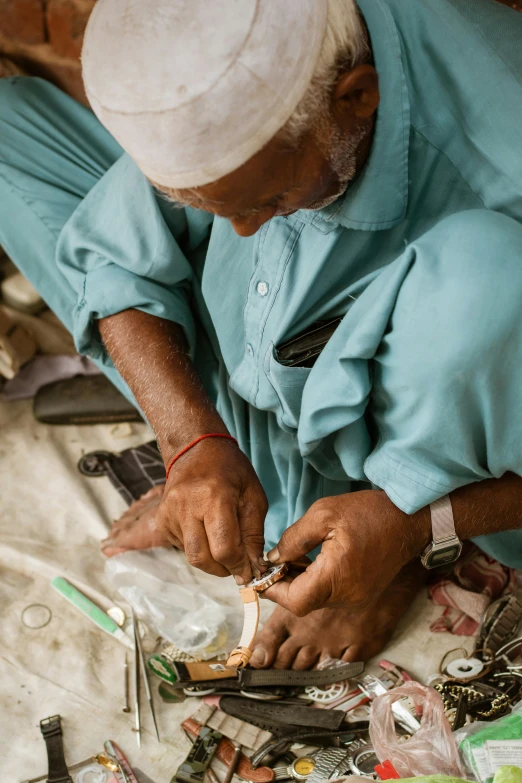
[{"x": 379, "y": 197}]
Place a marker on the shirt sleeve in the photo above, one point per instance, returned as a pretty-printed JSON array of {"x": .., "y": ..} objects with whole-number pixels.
[{"x": 124, "y": 248}]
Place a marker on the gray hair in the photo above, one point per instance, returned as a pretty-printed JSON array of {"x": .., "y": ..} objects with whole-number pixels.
[{"x": 345, "y": 45}]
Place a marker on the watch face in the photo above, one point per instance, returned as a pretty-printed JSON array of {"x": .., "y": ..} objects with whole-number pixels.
[
  {"x": 444, "y": 555},
  {"x": 303, "y": 767},
  {"x": 364, "y": 761},
  {"x": 270, "y": 577}
]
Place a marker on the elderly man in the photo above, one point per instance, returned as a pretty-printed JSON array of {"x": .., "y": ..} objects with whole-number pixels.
[{"x": 346, "y": 175}]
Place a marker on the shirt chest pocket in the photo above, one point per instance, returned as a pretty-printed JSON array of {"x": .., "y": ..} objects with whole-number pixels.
[{"x": 288, "y": 384}]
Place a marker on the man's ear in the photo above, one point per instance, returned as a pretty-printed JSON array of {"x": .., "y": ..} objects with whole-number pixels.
[{"x": 356, "y": 95}]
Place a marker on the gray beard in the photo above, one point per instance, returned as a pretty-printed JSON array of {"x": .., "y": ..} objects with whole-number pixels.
[{"x": 341, "y": 153}]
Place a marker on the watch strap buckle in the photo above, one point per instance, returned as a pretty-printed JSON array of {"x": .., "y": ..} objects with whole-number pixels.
[{"x": 52, "y": 726}]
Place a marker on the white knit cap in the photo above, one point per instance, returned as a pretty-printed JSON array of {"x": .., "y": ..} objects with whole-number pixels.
[{"x": 192, "y": 89}]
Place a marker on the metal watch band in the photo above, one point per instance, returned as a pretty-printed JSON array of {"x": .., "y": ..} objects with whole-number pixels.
[
  {"x": 326, "y": 763},
  {"x": 51, "y": 729},
  {"x": 259, "y": 677},
  {"x": 442, "y": 522},
  {"x": 505, "y": 624},
  {"x": 282, "y": 772}
]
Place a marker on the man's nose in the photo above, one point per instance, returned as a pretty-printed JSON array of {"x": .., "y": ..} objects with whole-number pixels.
[{"x": 247, "y": 226}]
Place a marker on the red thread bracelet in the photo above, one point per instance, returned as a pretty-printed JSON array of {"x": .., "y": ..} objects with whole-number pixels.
[{"x": 194, "y": 442}]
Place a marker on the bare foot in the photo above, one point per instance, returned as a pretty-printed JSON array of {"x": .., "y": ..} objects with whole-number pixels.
[
  {"x": 136, "y": 528},
  {"x": 289, "y": 642}
]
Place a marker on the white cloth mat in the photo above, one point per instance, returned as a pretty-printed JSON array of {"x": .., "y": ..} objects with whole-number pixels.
[{"x": 51, "y": 522}]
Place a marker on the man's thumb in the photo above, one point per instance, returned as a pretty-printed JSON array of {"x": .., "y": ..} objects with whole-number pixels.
[{"x": 300, "y": 538}]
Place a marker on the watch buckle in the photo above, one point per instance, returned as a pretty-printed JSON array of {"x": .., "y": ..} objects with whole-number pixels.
[
  {"x": 238, "y": 658},
  {"x": 51, "y": 726}
]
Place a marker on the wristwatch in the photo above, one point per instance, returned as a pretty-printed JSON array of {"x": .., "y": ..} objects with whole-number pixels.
[
  {"x": 239, "y": 657},
  {"x": 362, "y": 761},
  {"x": 51, "y": 729},
  {"x": 446, "y": 546},
  {"x": 301, "y": 768}
]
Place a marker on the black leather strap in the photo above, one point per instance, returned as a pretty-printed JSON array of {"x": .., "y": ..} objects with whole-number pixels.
[
  {"x": 277, "y": 715},
  {"x": 249, "y": 678},
  {"x": 51, "y": 729}
]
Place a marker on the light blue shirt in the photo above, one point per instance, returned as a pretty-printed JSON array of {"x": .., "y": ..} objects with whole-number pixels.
[{"x": 447, "y": 140}]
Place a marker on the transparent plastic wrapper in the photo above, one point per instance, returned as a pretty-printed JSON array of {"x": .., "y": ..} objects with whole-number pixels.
[
  {"x": 430, "y": 750},
  {"x": 173, "y": 599},
  {"x": 474, "y": 744}
]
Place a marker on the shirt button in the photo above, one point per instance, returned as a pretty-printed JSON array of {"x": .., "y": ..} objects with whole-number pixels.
[
  {"x": 250, "y": 350},
  {"x": 262, "y": 288}
]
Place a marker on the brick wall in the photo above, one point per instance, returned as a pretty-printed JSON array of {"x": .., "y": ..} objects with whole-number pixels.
[{"x": 44, "y": 38}]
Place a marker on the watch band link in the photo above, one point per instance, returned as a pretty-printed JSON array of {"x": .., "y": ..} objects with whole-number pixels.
[{"x": 327, "y": 762}]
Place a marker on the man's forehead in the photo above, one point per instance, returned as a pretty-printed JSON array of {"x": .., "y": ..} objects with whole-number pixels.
[{"x": 259, "y": 178}]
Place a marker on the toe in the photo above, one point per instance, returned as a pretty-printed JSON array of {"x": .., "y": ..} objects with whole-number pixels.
[
  {"x": 306, "y": 658},
  {"x": 269, "y": 641},
  {"x": 286, "y": 654},
  {"x": 352, "y": 653}
]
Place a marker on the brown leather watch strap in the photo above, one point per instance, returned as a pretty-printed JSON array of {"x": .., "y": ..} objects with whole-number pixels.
[{"x": 225, "y": 753}]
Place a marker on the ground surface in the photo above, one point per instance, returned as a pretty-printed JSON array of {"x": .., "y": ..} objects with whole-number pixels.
[{"x": 51, "y": 520}]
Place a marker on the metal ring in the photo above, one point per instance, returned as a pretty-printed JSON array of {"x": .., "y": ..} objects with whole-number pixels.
[{"x": 41, "y": 625}]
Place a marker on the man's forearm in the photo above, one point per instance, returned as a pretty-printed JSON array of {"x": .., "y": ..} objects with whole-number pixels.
[
  {"x": 482, "y": 508},
  {"x": 151, "y": 354}
]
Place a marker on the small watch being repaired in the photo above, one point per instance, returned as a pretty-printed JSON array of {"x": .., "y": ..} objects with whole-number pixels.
[{"x": 240, "y": 656}]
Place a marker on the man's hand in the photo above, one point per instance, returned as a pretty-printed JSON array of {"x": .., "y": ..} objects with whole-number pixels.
[
  {"x": 365, "y": 539},
  {"x": 214, "y": 506},
  {"x": 214, "y": 509}
]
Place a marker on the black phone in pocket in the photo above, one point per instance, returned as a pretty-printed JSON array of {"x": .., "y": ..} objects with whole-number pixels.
[{"x": 303, "y": 349}]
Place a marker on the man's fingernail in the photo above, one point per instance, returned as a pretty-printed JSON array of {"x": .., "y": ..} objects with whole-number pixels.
[
  {"x": 259, "y": 656},
  {"x": 273, "y": 556},
  {"x": 239, "y": 580}
]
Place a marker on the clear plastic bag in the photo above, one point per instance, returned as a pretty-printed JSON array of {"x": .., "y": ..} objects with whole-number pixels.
[
  {"x": 431, "y": 750},
  {"x": 173, "y": 599}
]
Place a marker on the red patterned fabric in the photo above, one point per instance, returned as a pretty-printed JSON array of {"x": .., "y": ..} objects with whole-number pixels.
[{"x": 476, "y": 581}]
